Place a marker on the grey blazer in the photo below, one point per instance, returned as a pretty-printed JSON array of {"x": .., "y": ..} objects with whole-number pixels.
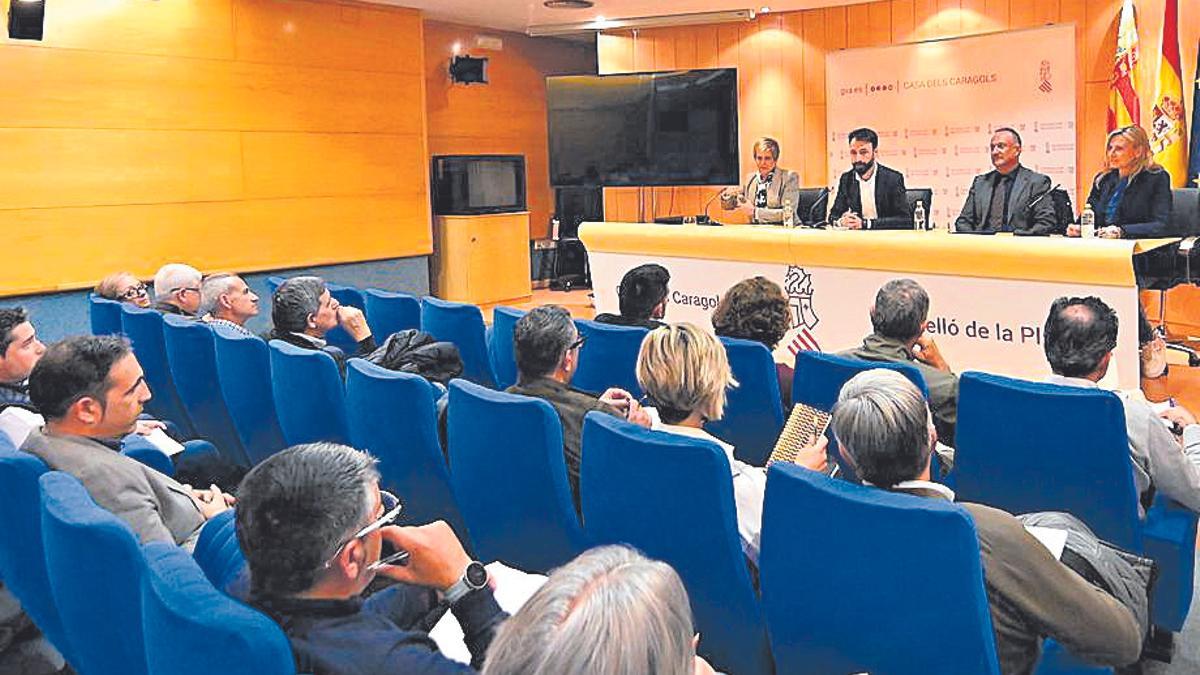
[
  {"x": 786, "y": 185},
  {"x": 154, "y": 505},
  {"x": 1022, "y": 219}
]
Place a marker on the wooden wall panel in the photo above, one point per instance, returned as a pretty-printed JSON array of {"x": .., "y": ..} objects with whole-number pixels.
[
  {"x": 280, "y": 164},
  {"x": 181, "y": 28},
  {"x": 781, "y": 65}
]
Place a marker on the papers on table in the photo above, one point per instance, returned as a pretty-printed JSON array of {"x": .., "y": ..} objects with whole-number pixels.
[{"x": 1054, "y": 540}]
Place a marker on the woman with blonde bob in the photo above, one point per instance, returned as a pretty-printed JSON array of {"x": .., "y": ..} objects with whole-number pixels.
[
  {"x": 685, "y": 372},
  {"x": 1132, "y": 197},
  {"x": 124, "y": 287}
]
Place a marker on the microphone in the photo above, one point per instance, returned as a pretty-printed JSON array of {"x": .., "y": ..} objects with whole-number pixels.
[
  {"x": 1039, "y": 198},
  {"x": 824, "y": 194},
  {"x": 709, "y": 203}
]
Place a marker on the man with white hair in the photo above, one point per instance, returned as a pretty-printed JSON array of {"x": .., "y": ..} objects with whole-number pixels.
[
  {"x": 177, "y": 289},
  {"x": 609, "y": 611},
  {"x": 226, "y": 299},
  {"x": 884, "y": 429}
]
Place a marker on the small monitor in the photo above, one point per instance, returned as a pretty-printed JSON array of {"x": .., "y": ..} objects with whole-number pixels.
[
  {"x": 478, "y": 184},
  {"x": 468, "y": 70}
]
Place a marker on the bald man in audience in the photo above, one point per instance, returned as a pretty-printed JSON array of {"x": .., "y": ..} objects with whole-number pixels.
[
  {"x": 226, "y": 300},
  {"x": 177, "y": 289}
]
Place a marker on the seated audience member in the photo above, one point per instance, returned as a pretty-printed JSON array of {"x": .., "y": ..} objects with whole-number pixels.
[
  {"x": 313, "y": 523},
  {"x": 225, "y": 299},
  {"x": 756, "y": 309},
  {"x": 898, "y": 318},
  {"x": 1011, "y": 198},
  {"x": 303, "y": 311},
  {"x": 20, "y": 349},
  {"x": 90, "y": 390},
  {"x": 610, "y": 610},
  {"x": 124, "y": 287},
  {"x": 685, "y": 372},
  {"x": 1132, "y": 197},
  {"x": 642, "y": 298},
  {"x": 1079, "y": 338},
  {"x": 177, "y": 289},
  {"x": 546, "y": 345},
  {"x": 883, "y": 426}
]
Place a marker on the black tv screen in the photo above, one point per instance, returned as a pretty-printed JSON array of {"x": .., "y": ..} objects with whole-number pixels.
[
  {"x": 475, "y": 184},
  {"x": 670, "y": 128}
]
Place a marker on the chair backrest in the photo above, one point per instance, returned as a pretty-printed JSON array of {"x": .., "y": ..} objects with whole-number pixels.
[
  {"x": 608, "y": 358},
  {"x": 309, "y": 395},
  {"x": 192, "y": 354},
  {"x": 389, "y": 312},
  {"x": 823, "y": 614},
  {"x": 104, "y": 314},
  {"x": 100, "y": 608},
  {"x": 144, "y": 327},
  {"x": 393, "y": 416},
  {"x": 244, "y": 374},
  {"x": 346, "y": 295},
  {"x": 219, "y": 554},
  {"x": 808, "y": 205},
  {"x": 671, "y": 497},
  {"x": 191, "y": 628},
  {"x": 1185, "y": 211},
  {"x": 753, "y": 410},
  {"x": 274, "y": 282},
  {"x": 1016, "y": 450},
  {"x": 510, "y": 478},
  {"x": 22, "y": 552},
  {"x": 923, "y": 195},
  {"x": 463, "y": 325},
  {"x": 504, "y": 321}
]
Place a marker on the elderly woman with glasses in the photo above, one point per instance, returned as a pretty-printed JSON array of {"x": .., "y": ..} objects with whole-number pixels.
[{"x": 124, "y": 287}]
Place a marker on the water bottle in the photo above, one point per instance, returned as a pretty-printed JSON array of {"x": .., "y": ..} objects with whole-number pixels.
[
  {"x": 789, "y": 214},
  {"x": 919, "y": 217},
  {"x": 1087, "y": 222}
]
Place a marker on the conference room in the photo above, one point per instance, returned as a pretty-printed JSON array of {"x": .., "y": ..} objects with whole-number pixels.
[{"x": 620, "y": 336}]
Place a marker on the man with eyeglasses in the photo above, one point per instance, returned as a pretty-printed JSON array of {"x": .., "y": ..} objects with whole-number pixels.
[
  {"x": 547, "y": 345},
  {"x": 177, "y": 289},
  {"x": 314, "y": 525}
]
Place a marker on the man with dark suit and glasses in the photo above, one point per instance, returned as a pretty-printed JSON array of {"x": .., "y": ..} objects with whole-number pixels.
[
  {"x": 1010, "y": 198},
  {"x": 870, "y": 196}
]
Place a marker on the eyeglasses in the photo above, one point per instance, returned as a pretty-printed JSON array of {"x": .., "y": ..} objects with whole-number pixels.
[
  {"x": 185, "y": 289},
  {"x": 134, "y": 291},
  {"x": 578, "y": 343},
  {"x": 391, "y": 512}
]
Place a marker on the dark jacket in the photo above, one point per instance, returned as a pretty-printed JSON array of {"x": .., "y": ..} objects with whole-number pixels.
[
  {"x": 387, "y": 633},
  {"x": 365, "y": 347},
  {"x": 622, "y": 320},
  {"x": 411, "y": 351},
  {"x": 891, "y": 199},
  {"x": 168, "y": 308},
  {"x": 1144, "y": 210},
  {"x": 1024, "y": 216}
]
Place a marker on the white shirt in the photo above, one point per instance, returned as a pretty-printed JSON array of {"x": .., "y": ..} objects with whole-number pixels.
[
  {"x": 318, "y": 343},
  {"x": 749, "y": 485},
  {"x": 866, "y": 191},
  {"x": 921, "y": 485}
]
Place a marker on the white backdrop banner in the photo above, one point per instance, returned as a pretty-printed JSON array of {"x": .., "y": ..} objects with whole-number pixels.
[{"x": 936, "y": 104}]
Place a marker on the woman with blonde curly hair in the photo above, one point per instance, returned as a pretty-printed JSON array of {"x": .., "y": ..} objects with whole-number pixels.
[
  {"x": 756, "y": 309},
  {"x": 124, "y": 287},
  {"x": 1132, "y": 197},
  {"x": 685, "y": 372}
]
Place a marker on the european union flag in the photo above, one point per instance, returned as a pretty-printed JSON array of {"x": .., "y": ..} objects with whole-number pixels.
[{"x": 1194, "y": 152}]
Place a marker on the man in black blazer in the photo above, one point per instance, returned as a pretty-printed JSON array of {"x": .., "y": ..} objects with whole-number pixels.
[
  {"x": 1010, "y": 198},
  {"x": 870, "y": 196}
]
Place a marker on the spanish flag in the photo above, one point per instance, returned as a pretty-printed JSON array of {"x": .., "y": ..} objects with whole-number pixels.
[
  {"x": 1123, "y": 106},
  {"x": 1168, "y": 135}
]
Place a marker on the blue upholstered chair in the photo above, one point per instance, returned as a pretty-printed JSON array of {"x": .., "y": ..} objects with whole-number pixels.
[
  {"x": 309, "y": 395},
  {"x": 753, "y": 410},
  {"x": 671, "y": 497},
  {"x": 1036, "y": 460},
  {"x": 608, "y": 358},
  {"x": 145, "y": 330},
  {"x": 352, "y": 297},
  {"x": 104, "y": 314},
  {"x": 218, "y": 552},
  {"x": 504, "y": 321},
  {"x": 463, "y": 325},
  {"x": 394, "y": 417},
  {"x": 100, "y": 607},
  {"x": 244, "y": 374},
  {"x": 191, "y": 628},
  {"x": 819, "y": 378},
  {"x": 390, "y": 312},
  {"x": 22, "y": 550},
  {"x": 822, "y": 538},
  {"x": 274, "y": 282},
  {"x": 192, "y": 356},
  {"x": 510, "y": 478}
]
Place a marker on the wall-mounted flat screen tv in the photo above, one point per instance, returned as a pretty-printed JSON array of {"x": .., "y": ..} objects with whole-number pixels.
[{"x": 668, "y": 128}]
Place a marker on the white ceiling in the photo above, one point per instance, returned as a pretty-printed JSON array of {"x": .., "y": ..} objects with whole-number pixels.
[{"x": 519, "y": 15}]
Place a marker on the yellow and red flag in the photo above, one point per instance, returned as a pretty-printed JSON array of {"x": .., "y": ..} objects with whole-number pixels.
[
  {"x": 1168, "y": 135},
  {"x": 1123, "y": 106}
]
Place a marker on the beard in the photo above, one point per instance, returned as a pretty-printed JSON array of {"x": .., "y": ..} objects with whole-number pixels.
[{"x": 861, "y": 168}]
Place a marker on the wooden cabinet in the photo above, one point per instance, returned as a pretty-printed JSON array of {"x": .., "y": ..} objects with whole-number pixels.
[{"x": 482, "y": 259}]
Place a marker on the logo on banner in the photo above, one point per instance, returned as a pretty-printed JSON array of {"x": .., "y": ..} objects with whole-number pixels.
[
  {"x": 798, "y": 285},
  {"x": 1044, "y": 77}
]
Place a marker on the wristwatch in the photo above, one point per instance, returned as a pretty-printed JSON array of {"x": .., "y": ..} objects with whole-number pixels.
[{"x": 474, "y": 578}]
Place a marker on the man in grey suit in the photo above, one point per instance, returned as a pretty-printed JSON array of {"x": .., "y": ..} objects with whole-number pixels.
[
  {"x": 768, "y": 194},
  {"x": 90, "y": 391},
  {"x": 1010, "y": 198}
]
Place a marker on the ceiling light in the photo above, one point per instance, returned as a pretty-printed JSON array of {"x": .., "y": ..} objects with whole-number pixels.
[
  {"x": 699, "y": 18},
  {"x": 568, "y": 4},
  {"x": 764, "y": 10}
]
